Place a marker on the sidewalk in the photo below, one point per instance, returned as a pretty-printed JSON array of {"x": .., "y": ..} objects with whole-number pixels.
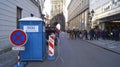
[
  {"x": 5, "y": 48},
  {"x": 110, "y": 45},
  {"x": 8, "y": 59},
  {"x": 7, "y": 56}
]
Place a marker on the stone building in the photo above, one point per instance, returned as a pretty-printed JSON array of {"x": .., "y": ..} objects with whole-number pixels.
[
  {"x": 78, "y": 14},
  {"x": 57, "y": 13},
  {"x": 106, "y": 14},
  {"x": 13, "y": 10}
]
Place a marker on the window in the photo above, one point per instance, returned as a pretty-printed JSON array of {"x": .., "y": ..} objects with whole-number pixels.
[{"x": 19, "y": 16}]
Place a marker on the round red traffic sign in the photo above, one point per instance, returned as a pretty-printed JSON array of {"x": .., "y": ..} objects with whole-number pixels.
[{"x": 18, "y": 37}]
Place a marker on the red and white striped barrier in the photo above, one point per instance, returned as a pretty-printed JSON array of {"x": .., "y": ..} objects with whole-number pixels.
[{"x": 51, "y": 47}]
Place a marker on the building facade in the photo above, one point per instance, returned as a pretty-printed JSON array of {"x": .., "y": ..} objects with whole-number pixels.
[
  {"x": 13, "y": 10},
  {"x": 57, "y": 13},
  {"x": 78, "y": 14},
  {"x": 41, "y": 3},
  {"x": 106, "y": 14}
]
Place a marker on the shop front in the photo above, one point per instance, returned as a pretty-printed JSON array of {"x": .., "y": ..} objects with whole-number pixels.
[{"x": 110, "y": 22}]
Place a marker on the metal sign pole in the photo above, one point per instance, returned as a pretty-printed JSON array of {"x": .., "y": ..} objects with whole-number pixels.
[{"x": 18, "y": 58}]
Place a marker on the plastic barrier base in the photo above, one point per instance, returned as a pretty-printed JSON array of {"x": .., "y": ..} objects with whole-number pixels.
[
  {"x": 22, "y": 64},
  {"x": 51, "y": 57}
]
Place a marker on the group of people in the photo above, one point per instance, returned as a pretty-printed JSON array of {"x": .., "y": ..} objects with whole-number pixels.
[
  {"x": 114, "y": 34},
  {"x": 95, "y": 34},
  {"x": 75, "y": 33}
]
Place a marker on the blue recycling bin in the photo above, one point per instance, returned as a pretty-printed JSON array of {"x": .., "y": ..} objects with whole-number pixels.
[{"x": 35, "y": 47}]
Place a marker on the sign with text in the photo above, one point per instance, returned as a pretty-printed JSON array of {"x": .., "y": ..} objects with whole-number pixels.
[
  {"x": 31, "y": 28},
  {"x": 18, "y": 48}
]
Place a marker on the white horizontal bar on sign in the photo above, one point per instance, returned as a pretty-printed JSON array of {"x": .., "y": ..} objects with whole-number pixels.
[
  {"x": 18, "y": 48},
  {"x": 31, "y": 28}
]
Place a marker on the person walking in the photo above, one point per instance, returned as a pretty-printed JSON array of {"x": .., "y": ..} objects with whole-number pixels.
[
  {"x": 91, "y": 33},
  {"x": 86, "y": 34},
  {"x": 71, "y": 34},
  {"x": 96, "y": 34},
  {"x": 75, "y": 33}
]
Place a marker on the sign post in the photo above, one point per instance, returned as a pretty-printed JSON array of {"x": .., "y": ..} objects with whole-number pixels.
[{"x": 18, "y": 39}]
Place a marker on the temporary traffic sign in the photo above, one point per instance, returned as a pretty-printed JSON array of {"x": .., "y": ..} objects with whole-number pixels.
[{"x": 18, "y": 37}]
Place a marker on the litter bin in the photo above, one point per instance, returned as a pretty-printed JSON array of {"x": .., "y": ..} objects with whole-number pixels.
[{"x": 35, "y": 47}]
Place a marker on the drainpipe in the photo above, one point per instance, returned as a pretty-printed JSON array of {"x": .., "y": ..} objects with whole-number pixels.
[{"x": 39, "y": 8}]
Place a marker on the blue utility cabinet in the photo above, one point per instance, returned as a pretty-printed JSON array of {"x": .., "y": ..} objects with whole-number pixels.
[{"x": 35, "y": 47}]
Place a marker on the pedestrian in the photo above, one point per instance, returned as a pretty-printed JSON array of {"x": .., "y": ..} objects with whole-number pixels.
[
  {"x": 96, "y": 34},
  {"x": 57, "y": 29},
  {"x": 91, "y": 33},
  {"x": 82, "y": 34},
  {"x": 119, "y": 34},
  {"x": 75, "y": 33},
  {"x": 71, "y": 34},
  {"x": 111, "y": 35},
  {"x": 104, "y": 33},
  {"x": 100, "y": 33},
  {"x": 78, "y": 33},
  {"x": 86, "y": 34},
  {"x": 116, "y": 34}
]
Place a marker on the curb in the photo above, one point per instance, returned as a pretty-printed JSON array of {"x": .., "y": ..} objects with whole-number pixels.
[
  {"x": 104, "y": 47},
  {"x": 5, "y": 50}
]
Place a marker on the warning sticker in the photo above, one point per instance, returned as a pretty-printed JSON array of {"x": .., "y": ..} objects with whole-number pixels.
[{"x": 43, "y": 28}]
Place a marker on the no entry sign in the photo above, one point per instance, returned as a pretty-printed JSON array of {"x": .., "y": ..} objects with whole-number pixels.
[{"x": 18, "y": 37}]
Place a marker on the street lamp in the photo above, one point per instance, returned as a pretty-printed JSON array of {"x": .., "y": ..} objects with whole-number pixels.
[
  {"x": 90, "y": 16},
  {"x": 92, "y": 12}
]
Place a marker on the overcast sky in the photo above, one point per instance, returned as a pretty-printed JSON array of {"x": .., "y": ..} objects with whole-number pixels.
[{"x": 47, "y": 6}]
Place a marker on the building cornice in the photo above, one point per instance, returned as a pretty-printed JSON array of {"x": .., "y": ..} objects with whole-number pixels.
[
  {"x": 69, "y": 4},
  {"x": 35, "y": 2}
]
